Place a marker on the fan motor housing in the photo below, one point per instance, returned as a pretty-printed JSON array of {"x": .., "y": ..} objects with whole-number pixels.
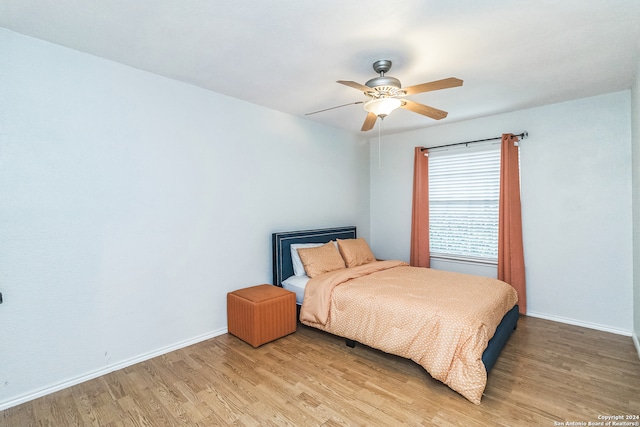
[{"x": 383, "y": 81}]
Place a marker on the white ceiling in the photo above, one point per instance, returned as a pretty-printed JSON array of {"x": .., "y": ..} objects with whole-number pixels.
[{"x": 287, "y": 55}]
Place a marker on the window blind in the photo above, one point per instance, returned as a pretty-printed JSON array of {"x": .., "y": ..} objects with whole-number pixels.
[{"x": 464, "y": 193}]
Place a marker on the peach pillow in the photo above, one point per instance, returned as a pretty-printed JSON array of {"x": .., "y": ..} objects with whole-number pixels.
[
  {"x": 320, "y": 260},
  {"x": 355, "y": 252}
]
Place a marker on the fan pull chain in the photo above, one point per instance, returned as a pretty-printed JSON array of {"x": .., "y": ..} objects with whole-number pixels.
[{"x": 379, "y": 143}]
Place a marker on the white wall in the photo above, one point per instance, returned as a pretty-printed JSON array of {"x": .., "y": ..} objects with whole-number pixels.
[
  {"x": 576, "y": 201},
  {"x": 130, "y": 205},
  {"x": 635, "y": 125}
]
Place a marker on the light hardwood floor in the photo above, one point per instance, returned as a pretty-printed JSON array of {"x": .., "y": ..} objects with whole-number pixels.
[{"x": 549, "y": 373}]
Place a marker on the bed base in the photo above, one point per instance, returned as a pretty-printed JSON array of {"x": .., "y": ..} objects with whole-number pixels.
[
  {"x": 283, "y": 268},
  {"x": 500, "y": 337}
]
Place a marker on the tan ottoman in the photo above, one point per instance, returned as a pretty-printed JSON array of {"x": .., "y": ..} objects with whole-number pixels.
[{"x": 262, "y": 313}]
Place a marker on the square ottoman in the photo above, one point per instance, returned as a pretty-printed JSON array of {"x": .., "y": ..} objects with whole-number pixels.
[{"x": 260, "y": 314}]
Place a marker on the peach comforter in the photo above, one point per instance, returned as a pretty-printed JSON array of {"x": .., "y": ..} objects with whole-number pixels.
[{"x": 441, "y": 320}]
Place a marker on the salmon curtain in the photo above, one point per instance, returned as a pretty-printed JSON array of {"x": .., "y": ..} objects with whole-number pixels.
[
  {"x": 419, "y": 256},
  {"x": 510, "y": 247}
]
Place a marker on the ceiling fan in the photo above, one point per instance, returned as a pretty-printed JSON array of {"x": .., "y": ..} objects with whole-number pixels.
[{"x": 385, "y": 93}]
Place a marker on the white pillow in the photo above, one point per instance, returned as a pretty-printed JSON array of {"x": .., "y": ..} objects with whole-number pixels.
[{"x": 298, "y": 268}]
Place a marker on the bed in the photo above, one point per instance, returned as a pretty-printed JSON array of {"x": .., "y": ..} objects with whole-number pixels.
[{"x": 399, "y": 309}]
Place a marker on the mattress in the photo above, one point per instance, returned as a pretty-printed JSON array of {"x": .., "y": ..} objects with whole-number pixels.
[{"x": 296, "y": 284}]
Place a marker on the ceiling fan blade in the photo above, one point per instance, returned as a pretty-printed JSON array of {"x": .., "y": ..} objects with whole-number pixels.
[
  {"x": 333, "y": 108},
  {"x": 354, "y": 85},
  {"x": 369, "y": 122},
  {"x": 425, "y": 110},
  {"x": 436, "y": 85}
]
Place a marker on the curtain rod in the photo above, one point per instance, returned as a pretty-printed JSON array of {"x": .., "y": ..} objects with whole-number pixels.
[{"x": 523, "y": 135}]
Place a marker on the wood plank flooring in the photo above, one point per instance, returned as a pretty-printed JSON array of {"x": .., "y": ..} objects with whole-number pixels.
[{"x": 549, "y": 373}]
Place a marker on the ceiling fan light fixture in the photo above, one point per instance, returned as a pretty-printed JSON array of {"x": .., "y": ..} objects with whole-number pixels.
[{"x": 381, "y": 107}]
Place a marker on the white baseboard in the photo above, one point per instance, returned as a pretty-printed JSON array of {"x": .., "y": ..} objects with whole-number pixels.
[
  {"x": 580, "y": 323},
  {"x": 103, "y": 371},
  {"x": 636, "y": 343}
]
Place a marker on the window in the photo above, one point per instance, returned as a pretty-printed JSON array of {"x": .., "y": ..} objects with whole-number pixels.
[{"x": 464, "y": 194}]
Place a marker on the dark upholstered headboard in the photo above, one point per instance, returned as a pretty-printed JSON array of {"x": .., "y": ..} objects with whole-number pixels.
[{"x": 282, "y": 264}]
